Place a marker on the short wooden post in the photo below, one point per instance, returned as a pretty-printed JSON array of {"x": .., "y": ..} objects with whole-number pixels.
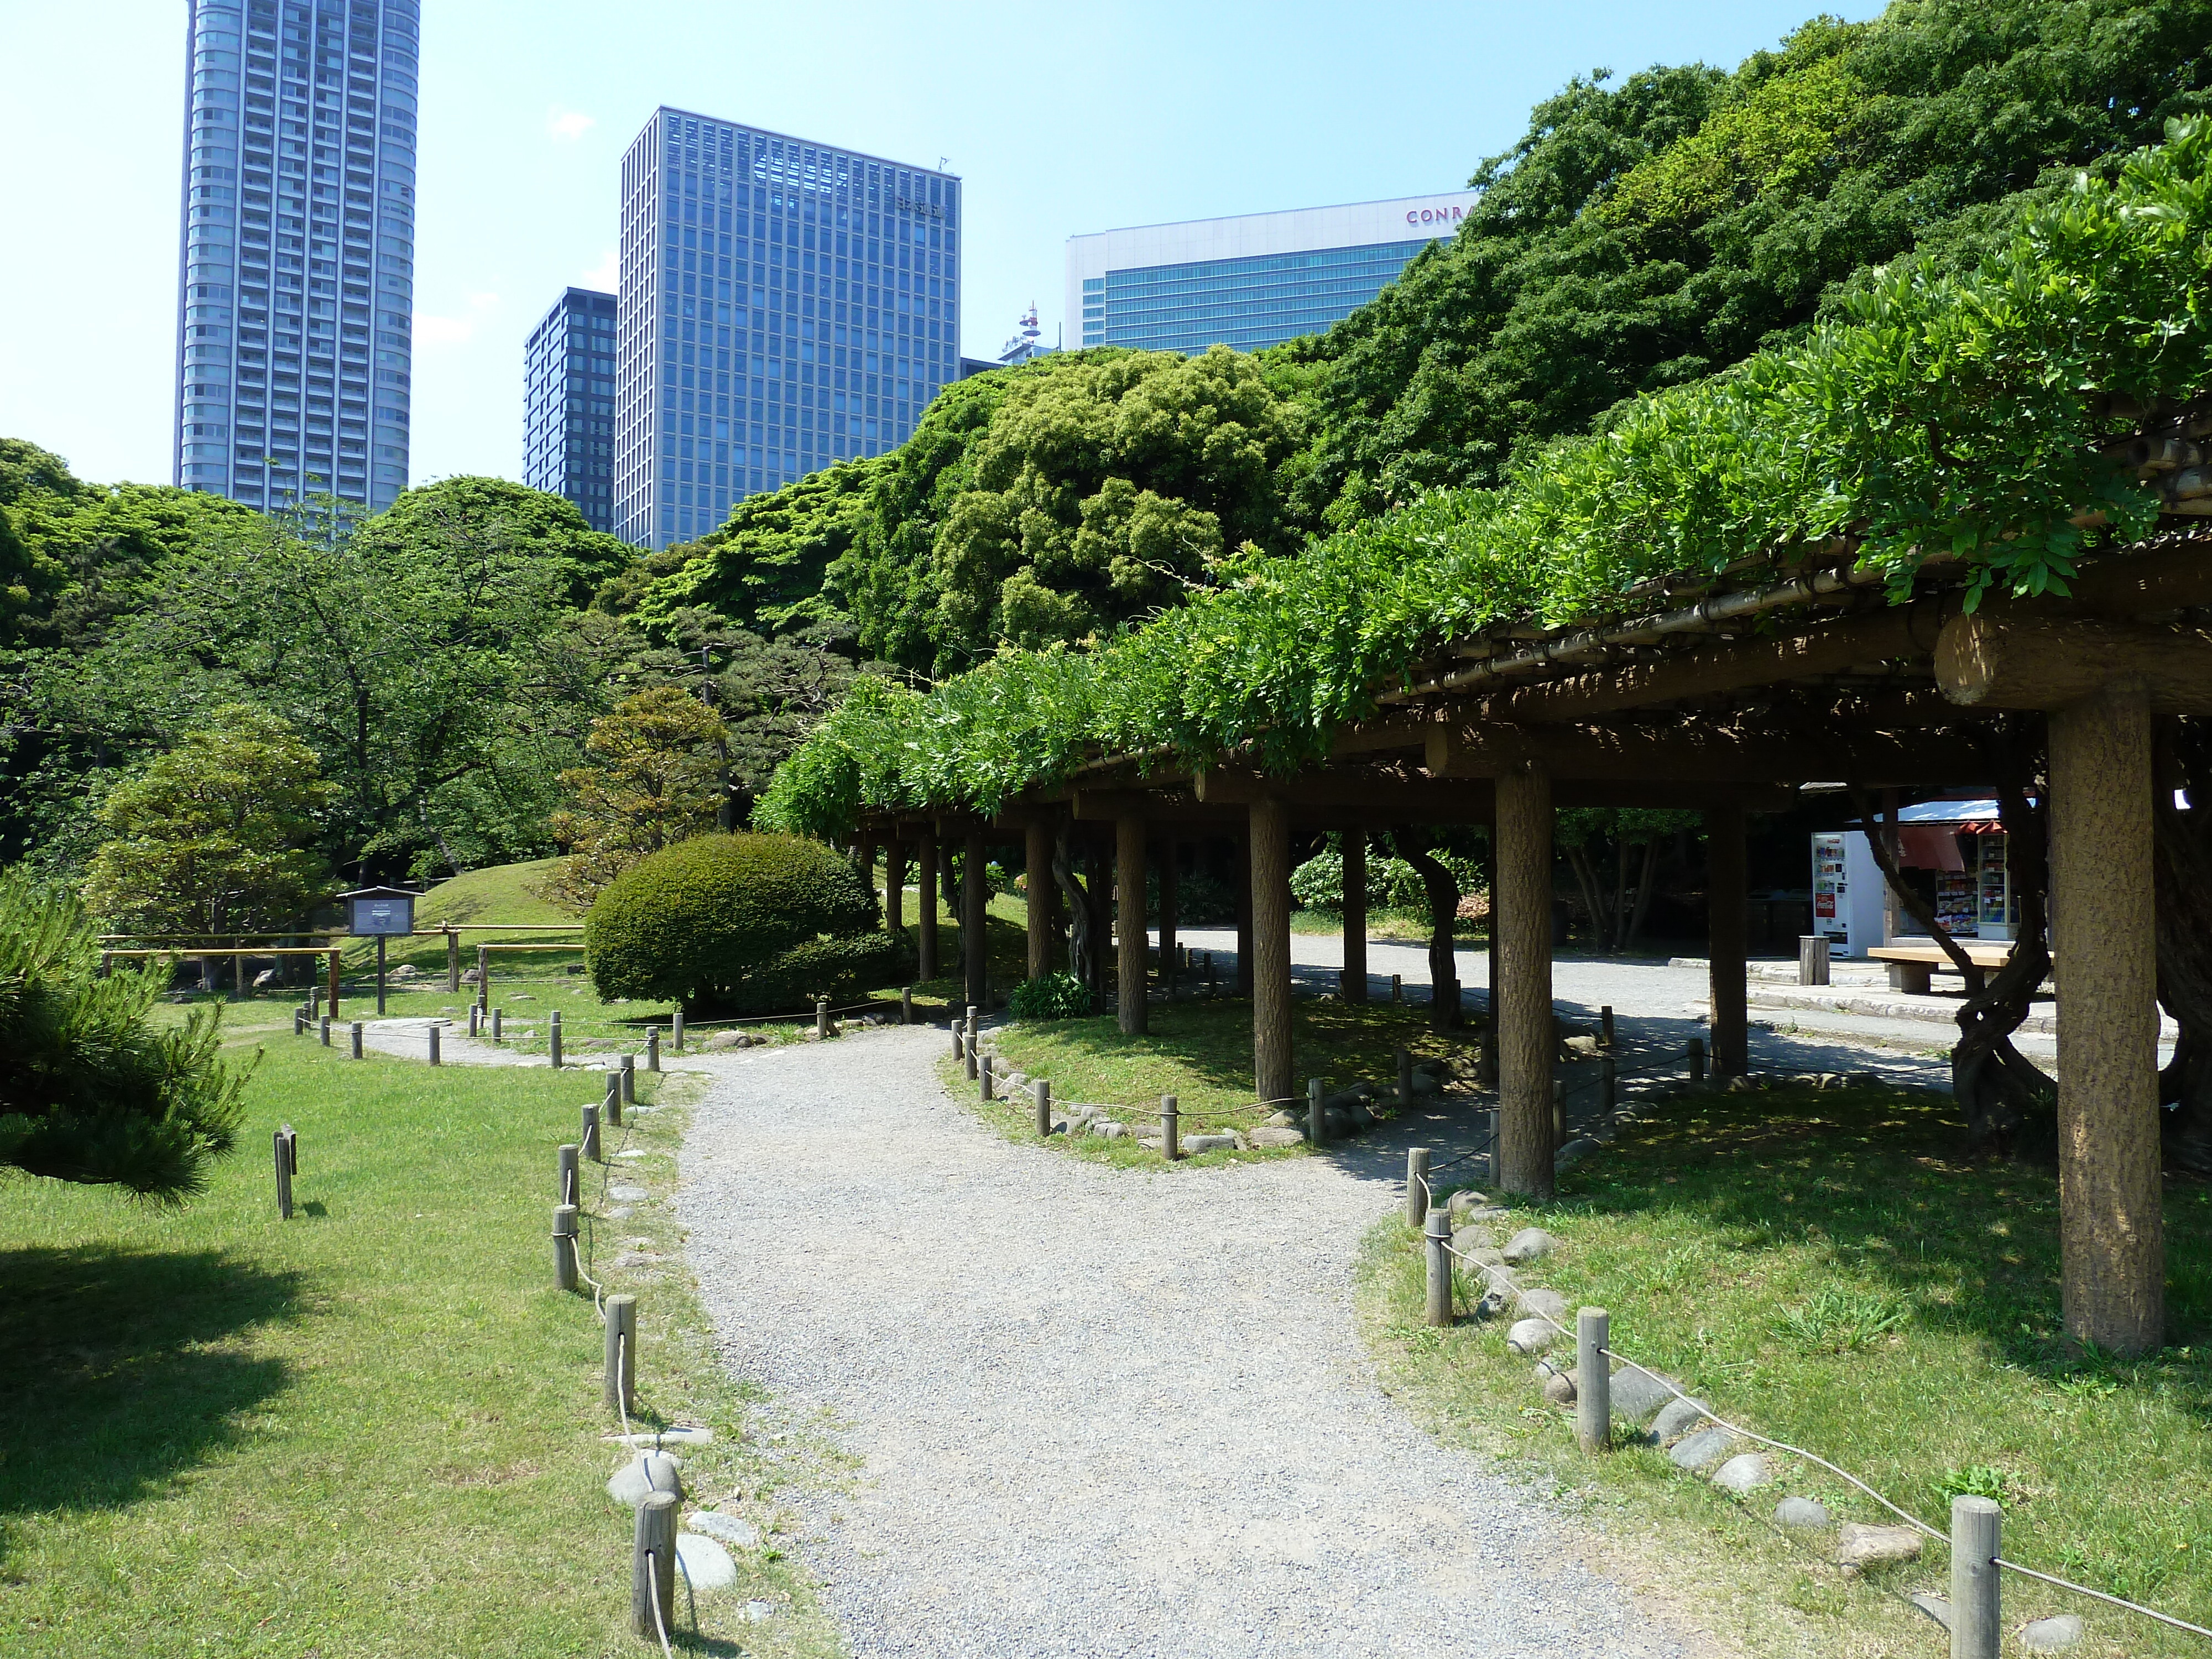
[
  {"x": 1593, "y": 1381},
  {"x": 610, "y": 1105},
  {"x": 591, "y": 1136},
  {"x": 483, "y": 976},
  {"x": 476, "y": 1017},
  {"x": 1608, "y": 1085},
  {"x": 497, "y": 1034},
  {"x": 983, "y": 1075},
  {"x": 621, "y": 1391},
  {"x": 1697, "y": 1060},
  {"x": 432, "y": 1031},
  {"x": 334, "y": 984},
  {"x": 356, "y": 1039},
  {"x": 1170, "y": 1128},
  {"x": 315, "y": 1002},
  {"x": 629, "y": 1080},
  {"x": 959, "y": 1042},
  {"x": 1397, "y": 988},
  {"x": 676, "y": 1031},
  {"x": 553, "y": 1041},
  {"x": 568, "y": 1182},
  {"x": 285, "y": 1165},
  {"x": 1605, "y": 1026},
  {"x": 564, "y": 1246},
  {"x": 1212, "y": 976},
  {"x": 1438, "y": 1234},
  {"x": 1405, "y": 1084},
  {"x": 237, "y": 985},
  {"x": 298, "y": 1022},
  {"x": 1558, "y": 1113},
  {"x": 1316, "y": 1113},
  {"x": 324, "y": 1030},
  {"x": 453, "y": 960},
  {"x": 1977, "y": 1614},
  {"x": 905, "y": 1006},
  {"x": 1041, "y": 1091},
  {"x": 380, "y": 975},
  {"x": 973, "y": 1046},
  {"x": 822, "y": 1017},
  {"x": 652, "y": 1565},
  {"x": 1416, "y": 1185},
  {"x": 653, "y": 1048},
  {"x": 1814, "y": 957}
]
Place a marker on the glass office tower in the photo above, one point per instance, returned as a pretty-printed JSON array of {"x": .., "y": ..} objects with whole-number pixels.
[
  {"x": 784, "y": 305},
  {"x": 1249, "y": 282},
  {"x": 296, "y": 282},
  {"x": 568, "y": 405}
]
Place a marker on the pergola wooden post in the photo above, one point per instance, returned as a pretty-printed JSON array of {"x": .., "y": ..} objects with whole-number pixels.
[
  {"x": 2111, "y": 1226},
  {"x": 1355, "y": 915},
  {"x": 894, "y": 886},
  {"x": 1129, "y": 920},
  {"x": 1520, "y": 910},
  {"x": 925, "y": 915},
  {"x": 864, "y": 859},
  {"x": 1169, "y": 920},
  {"x": 975, "y": 898},
  {"x": 1036, "y": 864},
  {"x": 1241, "y": 879},
  {"x": 1726, "y": 928},
  {"x": 1267, "y": 905},
  {"x": 452, "y": 959}
]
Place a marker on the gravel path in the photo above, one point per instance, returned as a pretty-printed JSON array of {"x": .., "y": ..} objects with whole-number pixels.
[{"x": 1100, "y": 1412}]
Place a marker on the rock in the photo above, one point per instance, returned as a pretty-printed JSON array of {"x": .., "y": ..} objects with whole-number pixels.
[
  {"x": 1466, "y": 1199},
  {"x": 2052, "y": 1635},
  {"x": 1340, "y": 1124},
  {"x": 1278, "y": 1135},
  {"x": 1863, "y": 1547},
  {"x": 1572, "y": 1153},
  {"x": 731, "y": 1529},
  {"x": 1488, "y": 1213},
  {"x": 664, "y": 1437},
  {"x": 1490, "y": 1305},
  {"x": 706, "y": 1565},
  {"x": 1542, "y": 1303},
  {"x": 759, "y": 1613},
  {"x": 1529, "y": 1244},
  {"x": 1560, "y": 1388},
  {"x": 1531, "y": 1336},
  {"x": 1804, "y": 1514},
  {"x": 1282, "y": 1120},
  {"x": 1934, "y": 1606},
  {"x": 1677, "y": 1418},
  {"x": 1197, "y": 1143},
  {"x": 627, "y": 1195},
  {"x": 266, "y": 978},
  {"x": 1745, "y": 1472},
  {"x": 1581, "y": 1048},
  {"x": 1108, "y": 1131},
  {"x": 1703, "y": 1449},
  {"x": 406, "y": 970},
  {"x": 653, "y": 1470},
  {"x": 1636, "y": 1398},
  {"x": 469, "y": 976},
  {"x": 1489, "y": 1256}
]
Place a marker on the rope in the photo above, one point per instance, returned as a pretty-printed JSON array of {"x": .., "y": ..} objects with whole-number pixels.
[
  {"x": 653, "y": 1581},
  {"x": 2083, "y": 1590},
  {"x": 622, "y": 1368}
]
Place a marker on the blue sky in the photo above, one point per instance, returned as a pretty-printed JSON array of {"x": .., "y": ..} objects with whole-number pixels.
[{"x": 1060, "y": 120}]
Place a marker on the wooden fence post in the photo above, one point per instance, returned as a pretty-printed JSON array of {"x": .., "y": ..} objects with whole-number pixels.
[
  {"x": 1438, "y": 1234},
  {"x": 591, "y": 1136},
  {"x": 653, "y": 1048},
  {"x": 621, "y": 1392},
  {"x": 822, "y": 1017},
  {"x": 553, "y": 1040},
  {"x": 652, "y": 1567},
  {"x": 1170, "y": 1128},
  {"x": 1592, "y": 1381},
  {"x": 1697, "y": 1060},
  {"x": 498, "y": 1035},
  {"x": 676, "y": 1031},
  {"x": 569, "y": 1182},
  {"x": 564, "y": 1246},
  {"x": 483, "y": 976},
  {"x": 1316, "y": 1115},
  {"x": 1416, "y": 1184},
  {"x": 1977, "y": 1616},
  {"x": 983, "y": 1073},
  {"x": 431, "y": 1030},
  {"x": 325, "y": 1030},
  {"x": 1405, "y": 1084},
  {"x": 1042, "y": 1091},
  {"x": 1609, "y": 1085},
  {"x": 452, "y": 959},
  {"x": 356, "y": 1039},
  {"x": 629, "y": 1080},
  {"x": 610, "y": 1105},
  {"x": 287, "y": 1163},
  {"x": 1605, "y": 1026}
]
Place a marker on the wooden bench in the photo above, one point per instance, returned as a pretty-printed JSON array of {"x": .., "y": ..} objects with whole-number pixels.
[{"x": 1911, "y": 966}]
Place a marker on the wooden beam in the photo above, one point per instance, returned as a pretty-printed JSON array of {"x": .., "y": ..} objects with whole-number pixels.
[
  {"x": 1691, "y": 753},
  {"x": 1985, "y": 661}
]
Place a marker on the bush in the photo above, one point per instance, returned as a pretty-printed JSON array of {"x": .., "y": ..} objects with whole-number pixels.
[
  {"x": 738, "y": 924},
  {"x": 1049, "y": 996},
  {"x": 1391, "y": 884}
]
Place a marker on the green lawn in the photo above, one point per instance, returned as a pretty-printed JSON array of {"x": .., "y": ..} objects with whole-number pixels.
[
  {"x": 373, "y": 1430},
  {"x": 1827, "y": 1266}
]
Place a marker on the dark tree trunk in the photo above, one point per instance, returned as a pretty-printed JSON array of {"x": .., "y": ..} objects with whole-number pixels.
[
  {"x": 2183, "y": 874},
  {"x": 1644, "y": 883},
  {"x": 1082, "y": 959},
  {"x": 1998, "y": 1089},
  {"x": 1443, "y": 888}
]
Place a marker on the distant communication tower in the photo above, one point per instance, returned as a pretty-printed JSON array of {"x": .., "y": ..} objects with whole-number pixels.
[{"x": 1023, "y": 345}]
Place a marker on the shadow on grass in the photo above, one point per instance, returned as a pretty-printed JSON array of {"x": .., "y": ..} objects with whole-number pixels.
[
  {"x": 1877, "y": 1179},
  {"x": 114, "y": 1374}
]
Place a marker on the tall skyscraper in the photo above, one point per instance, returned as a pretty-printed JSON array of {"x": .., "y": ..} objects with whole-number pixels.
[
  {"x": 568, "y": 405},
  {"x": 784, "y": 305},
  {"x": 296, "y": 278},
  {"x": 1249, "y": 282}
]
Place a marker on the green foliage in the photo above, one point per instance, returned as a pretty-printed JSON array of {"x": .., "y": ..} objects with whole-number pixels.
[
  {"x": 1941, "y": 415},
  {"x": 503, "y": 521},
  {"x": 741, "y": 924},
  {"x": 1049, "y": 996},
  {"x": 1644, "y": 235},
  {"x": 214, "y": 836},
  {"x": 89, "y": 1091},
  {"x": 653, "y": 777},
  {"x": 1391, "y": 884}
]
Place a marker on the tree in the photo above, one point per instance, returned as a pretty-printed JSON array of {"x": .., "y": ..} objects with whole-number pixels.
[
  {"x": 213, "y": 838},
  {"x": 89, "y": 1091},
  {"x": 654, "y": 779},
  {"x": 1632, "y": 836},
  {"x": 503, "y": 517}
]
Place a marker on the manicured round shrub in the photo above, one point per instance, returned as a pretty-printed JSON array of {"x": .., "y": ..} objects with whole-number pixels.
[
  {"x": 1049, "y": 996},
  {"x": 738, "y": 924}
]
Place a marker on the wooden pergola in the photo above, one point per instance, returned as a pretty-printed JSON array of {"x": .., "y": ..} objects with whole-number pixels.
[{"x": 1727, "y": 696}]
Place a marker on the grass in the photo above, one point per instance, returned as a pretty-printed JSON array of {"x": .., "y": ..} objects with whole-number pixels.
[
  {"x": 1201, "y": 1051},
  {"x": 1411, "y": 926},
  {"x": 1826, "y": 1268},
  {"x": 375, "y": 1429}
]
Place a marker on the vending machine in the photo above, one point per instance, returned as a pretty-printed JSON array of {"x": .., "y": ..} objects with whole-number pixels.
[{"x": 1847, "y": 892}]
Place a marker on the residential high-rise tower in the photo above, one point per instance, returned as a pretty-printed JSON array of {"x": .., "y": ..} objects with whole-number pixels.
[
  {"x": 783, "y": 305},
  {"x": 296, "y": 277},
  {"x": 569, "y": 404}
]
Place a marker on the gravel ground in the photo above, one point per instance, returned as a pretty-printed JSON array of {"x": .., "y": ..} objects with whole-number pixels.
[{"x": 1100, "y": 1412}]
